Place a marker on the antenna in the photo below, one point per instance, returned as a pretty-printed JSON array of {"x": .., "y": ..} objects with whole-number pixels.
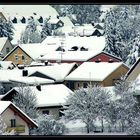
[
  {"x": 90, "y": 84},
  {"x": 62, "y": 40}
]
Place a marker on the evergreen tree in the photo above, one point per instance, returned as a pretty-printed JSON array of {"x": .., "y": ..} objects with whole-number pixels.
[
  {"x": 46, "y": 30},
  {"x": 6, "y": 29},
  {"x": 121, "y": 27},
  {"x": 31, "y": 34}
]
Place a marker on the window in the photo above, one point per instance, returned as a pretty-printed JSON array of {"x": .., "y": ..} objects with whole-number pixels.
[
  {"x": 85, "y": 85},
  {"x": 16, "y": 57},
  {"x": 78, "y": 85},
  {"x": 13, "y": 122},
  {"x": 23, "y": 57},
  {"x": 23, "y": 20},
  {"x": 7, "y": 50},
  {"x": 14, "y": 20},
  {"x": 45, "y": 112}
]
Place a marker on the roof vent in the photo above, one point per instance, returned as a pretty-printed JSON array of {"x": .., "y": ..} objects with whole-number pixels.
[
  {"x": 110, "y": 61},
  {"x": 46, "y": 63},
  {"x": 25, "y": 73},
  {"x": 38, "y": 87}
]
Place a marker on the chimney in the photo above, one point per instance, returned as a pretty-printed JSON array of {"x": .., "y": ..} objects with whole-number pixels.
[
  {"x": 110, "y": 61},
  {"x": 98, "y": 60},
  {"x": 25, "y": 73},
  {"x": 46, "y": 63},
  {"x": 38, "y": 87}
]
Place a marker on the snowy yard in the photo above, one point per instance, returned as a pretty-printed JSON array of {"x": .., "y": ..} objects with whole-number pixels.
[{"x": 77, "y": 127}]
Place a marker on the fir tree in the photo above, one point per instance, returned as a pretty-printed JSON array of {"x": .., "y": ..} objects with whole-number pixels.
[{"x": 6, "y": 29}]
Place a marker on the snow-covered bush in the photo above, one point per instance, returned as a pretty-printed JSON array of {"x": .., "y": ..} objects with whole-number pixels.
[
  {"x": 3, "y": 128},
  {"x": 48, "y": 126}
]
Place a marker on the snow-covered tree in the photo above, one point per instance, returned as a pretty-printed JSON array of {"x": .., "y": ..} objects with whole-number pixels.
[
  {"x": 6, "y": 29},
  {"x": 121, "y": 26},
  {"x": 126, "y": 103},
  {"x": 2, "y": 90},
  {"x": 26, "y": 100},
  {"x": 86, "y": 13},
  {"x": 3, "y": 127},
  {"x": 83, "y": 13},
  {"x": 46, "y": 30},
  {"x": 87, "y": 104},
  {"x": 48, "y": 126},
  {"x": 31, "y": 33}
]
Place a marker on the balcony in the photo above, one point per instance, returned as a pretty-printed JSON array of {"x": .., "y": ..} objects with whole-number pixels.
[{"x": 17, "y": 129}]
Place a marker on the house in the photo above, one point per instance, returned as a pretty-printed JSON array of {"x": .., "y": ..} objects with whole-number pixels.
[
  {"x": 98, "y": 32},
  {"x": 55, "y": 23},
  {"x": 79, "y": 56},
  {"x": 54, "y": 73},
  {"x": 104, "y": 57},
  {"x": 80, "y": 48},
  {"x": 102, "y": 73},
  {"x": 50, "y": 98},
  {"x": 25, "y": 53},
  {"x": 5, "y": 75},
  {"x": 99, "y": 26},
  {"x": 2, "y": 15},
  {"x": 134, "y": 71},
  {"x": 15, "y": 119},
  {"x": 5, "y": 46}
]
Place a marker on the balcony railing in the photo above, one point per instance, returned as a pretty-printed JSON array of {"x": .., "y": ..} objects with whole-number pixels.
[{"x": 17, "y": 129}]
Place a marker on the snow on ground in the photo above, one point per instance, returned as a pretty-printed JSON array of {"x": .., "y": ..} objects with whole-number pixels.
[{"x": 77, "y": 127}]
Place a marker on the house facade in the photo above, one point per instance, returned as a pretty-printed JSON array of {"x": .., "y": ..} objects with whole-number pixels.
[
  {"x": 15, "y": 119},
  {"x": 5, "y": 46},
  {"x": 97, "y": 73},
  {"x": 134, "y": 71},
  {"x": 18, "y": 56}
]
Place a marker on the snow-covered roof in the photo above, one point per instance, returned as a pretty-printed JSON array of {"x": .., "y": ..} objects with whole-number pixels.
[
  {"x": 50, "y": 95},
  {"x": 70, "y": 55},
  {"x": 92, "y": 43},
  {"x": 92, "y": 71},
  {"x": 54, "y": 20},
  {"x": 6, "y": 64},
  {"x": 5, "y": 75},
  {"x": 18, "y": 30},
  {"x": 31, "y": 80},
  {"x": 2, "y": 42},
  {"x": 66, "y": 20},
  {"x": 56, "y": 71},
  {"x": 5, "y": 104},
  {"x": 26, "y": 10}
]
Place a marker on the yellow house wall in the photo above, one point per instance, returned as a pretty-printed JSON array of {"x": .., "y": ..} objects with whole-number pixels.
[
  {"x": 19, "y": 53},
  {"x": 115, "y": 75},
  {"x": 133, "y": 75}
]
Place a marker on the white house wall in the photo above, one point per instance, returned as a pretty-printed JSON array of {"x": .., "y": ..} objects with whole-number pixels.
[{"x": 8, "y": 114}]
